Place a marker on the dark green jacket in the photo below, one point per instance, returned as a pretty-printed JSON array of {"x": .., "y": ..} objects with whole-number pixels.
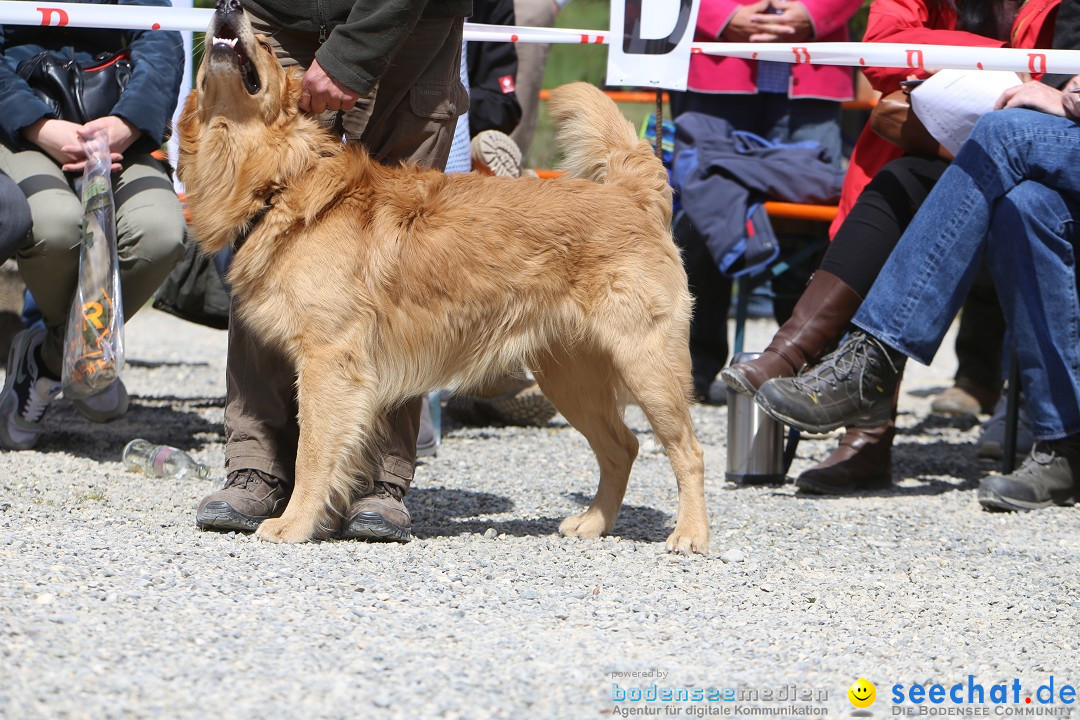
[{"x": 358, "y": 37}]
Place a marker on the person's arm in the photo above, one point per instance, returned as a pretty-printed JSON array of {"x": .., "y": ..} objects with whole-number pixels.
[
  {"x": 909, "y": 21},
  {"x": 19, "y": 106},
  {"x": 357, "y": 52}
]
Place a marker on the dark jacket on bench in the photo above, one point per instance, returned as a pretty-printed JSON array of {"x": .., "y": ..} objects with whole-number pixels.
[{"x": 723, "y": 176}]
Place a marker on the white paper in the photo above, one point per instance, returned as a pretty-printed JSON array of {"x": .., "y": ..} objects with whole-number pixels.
[
  {"x": 950, "y": 102},
  {"x": 668, "y": 26}
]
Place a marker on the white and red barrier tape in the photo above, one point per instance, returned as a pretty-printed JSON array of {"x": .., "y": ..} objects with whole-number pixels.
[{"x": 896, "y": 55}]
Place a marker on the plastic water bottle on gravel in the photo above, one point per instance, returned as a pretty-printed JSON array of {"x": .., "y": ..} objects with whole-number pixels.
[{"x": 162, "y": 461}]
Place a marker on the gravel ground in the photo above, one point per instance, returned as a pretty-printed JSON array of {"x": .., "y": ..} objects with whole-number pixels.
[{"x": 112, "y": 603}]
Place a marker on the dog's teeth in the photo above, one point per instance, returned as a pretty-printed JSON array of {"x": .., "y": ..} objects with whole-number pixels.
[{"x": 231, "y": 42}]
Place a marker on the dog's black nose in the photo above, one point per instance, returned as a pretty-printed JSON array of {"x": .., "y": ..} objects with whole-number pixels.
[{"x": 228, "y": 6}]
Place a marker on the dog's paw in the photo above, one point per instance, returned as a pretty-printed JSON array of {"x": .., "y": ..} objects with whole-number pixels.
[
  {"x": 589, "y": 525},
  {"x": 685, "y": 543},
  {"x": 280, "y": 530}
]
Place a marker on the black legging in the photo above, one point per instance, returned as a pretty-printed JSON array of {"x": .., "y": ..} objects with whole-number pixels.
[{"x": 878, "y": 219}]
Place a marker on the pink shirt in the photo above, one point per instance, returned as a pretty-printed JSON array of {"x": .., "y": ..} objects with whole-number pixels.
[{"x": 718, "y": 74}]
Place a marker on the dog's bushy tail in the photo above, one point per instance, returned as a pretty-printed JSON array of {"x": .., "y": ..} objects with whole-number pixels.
[{"x": 601, "y": 145}]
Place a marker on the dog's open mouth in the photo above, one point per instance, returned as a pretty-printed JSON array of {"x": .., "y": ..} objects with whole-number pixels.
[{"x": 226, "y": 43}]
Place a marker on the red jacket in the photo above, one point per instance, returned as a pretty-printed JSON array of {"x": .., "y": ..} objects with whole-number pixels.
[
  {"x": 909, "y": 21},
  {"x": 717, "y": 74}
]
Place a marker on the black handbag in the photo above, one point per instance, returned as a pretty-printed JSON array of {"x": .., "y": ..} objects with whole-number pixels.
[
  {"x": 194, "y": 290},
  {"x": 76, "y": 93}
]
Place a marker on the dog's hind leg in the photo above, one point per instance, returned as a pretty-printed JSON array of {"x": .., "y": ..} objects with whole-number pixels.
[
  {"x": 656, "y": 370},
  {"x": 337, "y": 420},
  {"x": 583, "y": 388}
]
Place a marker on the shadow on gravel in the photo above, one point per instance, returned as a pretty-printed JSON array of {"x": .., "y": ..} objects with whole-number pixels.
[
  {"x": 151, "y": 364},
  {"x": 924, "y": 464},
  {"x": 170, "y": 421},
  {"x": 441, "y": 512},
  {"x": 930, "y": 423},
  {"x": 925, "y": 391}
]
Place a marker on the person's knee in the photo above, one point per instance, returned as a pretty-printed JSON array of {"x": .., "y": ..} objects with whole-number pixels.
[
  {"x": 155, "y": 236},
  {"x": 57, "y": 230},
  {"x": 15, "y": 219}
]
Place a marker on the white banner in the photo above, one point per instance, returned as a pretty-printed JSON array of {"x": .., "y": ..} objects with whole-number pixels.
[
  {"x": 896, "y": 55},
  {"x": 652, "y": 40}
]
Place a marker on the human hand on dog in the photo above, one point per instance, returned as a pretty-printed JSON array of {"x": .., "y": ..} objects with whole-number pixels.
[{"x": 320, "y": 92}]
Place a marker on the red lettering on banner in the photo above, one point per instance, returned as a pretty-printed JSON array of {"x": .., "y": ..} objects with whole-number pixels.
[
  {"x": 1036, "y": 63},
  {"x": 979, "y": 65},
  {"x": 513, "y": 38},
  {"x": 753, "y": 56},
  {"x": 914, "y": 59},
  {"x": 155, "y": 26},
  {"x": 584, "y": 39},
  {"x": 47, "y": 15},
  {"x": 599, "y": 39},
  {"x": 802, "y": 55}
]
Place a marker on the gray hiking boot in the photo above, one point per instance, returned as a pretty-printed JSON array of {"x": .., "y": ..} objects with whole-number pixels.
[
  {"x": 248, "y": 498},
  {"x": 1049, "y": 476},
  {"x": 854, "y": 386},
  {"x": 379, "y": 515}
]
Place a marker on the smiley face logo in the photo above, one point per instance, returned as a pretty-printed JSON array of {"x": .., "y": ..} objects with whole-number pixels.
[{"x": 862, "y": 693}]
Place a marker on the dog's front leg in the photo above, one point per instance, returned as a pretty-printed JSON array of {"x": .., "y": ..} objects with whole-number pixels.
[{"x": 335, "y": 418}]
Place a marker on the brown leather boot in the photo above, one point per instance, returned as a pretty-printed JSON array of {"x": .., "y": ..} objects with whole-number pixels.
[
  {"x": 862, "y": 461},
  {"x": 816, "y": 325}
]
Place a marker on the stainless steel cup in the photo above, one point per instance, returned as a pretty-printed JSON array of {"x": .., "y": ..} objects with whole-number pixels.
[{"x": 755, "y": 447}]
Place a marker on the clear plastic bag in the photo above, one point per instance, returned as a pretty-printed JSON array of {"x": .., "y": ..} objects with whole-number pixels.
[{"x": 94, "y": 341}]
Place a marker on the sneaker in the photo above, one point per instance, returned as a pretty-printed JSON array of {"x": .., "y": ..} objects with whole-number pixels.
[
  {"x": 854, "y": 386},
  {"x": 965, "y": 398},
  {"x": 495, "y": 153},
  {"x": 380, "y": 515},
  {"x": 991, "y": 443},
  {"x": 112, "y": 402},
  {"x": 27, "y": 392},
  {"x": 514, "y": 401},
  {"x": 1049, "y": 476},
  {"x": 248, "y": 497}
]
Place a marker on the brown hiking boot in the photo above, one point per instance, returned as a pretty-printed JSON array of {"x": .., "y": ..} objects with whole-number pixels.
[
  {"x": 249, "y": 497},
  {"x": 379, "y": 515},
  {"x": 862, "y": 461},
  {"x": 817, "y": 323},
  {"x": 965, "y": 398}
]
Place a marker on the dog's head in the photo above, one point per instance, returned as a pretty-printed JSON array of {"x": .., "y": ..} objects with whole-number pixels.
[
  {"x": 241, "y": 133},
  {"x": 239, "y": 76}
]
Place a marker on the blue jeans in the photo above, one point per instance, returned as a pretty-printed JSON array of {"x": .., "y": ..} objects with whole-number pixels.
[{"x": 1009, "y": 197}]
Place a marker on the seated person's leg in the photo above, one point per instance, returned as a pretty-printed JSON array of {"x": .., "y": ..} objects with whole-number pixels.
[
  {"x": 49, "y": 264},
  {"x": 979, "y": 339},
  {"x": 15, "y": 218},
  {"x": 854, "y": 258},
  {"x": 1037, "y": 283},
  {"x": 922, "y": 286}
]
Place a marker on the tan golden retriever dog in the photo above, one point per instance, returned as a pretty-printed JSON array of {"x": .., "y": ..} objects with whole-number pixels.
[{"x": 383, "y": 283}]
